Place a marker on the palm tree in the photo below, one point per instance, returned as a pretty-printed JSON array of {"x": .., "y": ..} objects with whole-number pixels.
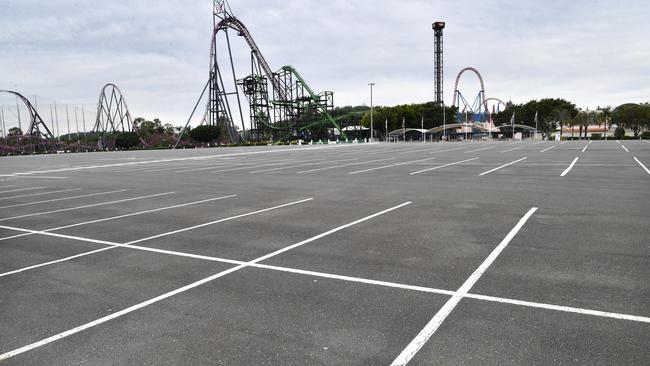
[{"x": 605, "y": 116}]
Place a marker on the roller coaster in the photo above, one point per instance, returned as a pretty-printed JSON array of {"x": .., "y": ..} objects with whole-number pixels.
[
  {"x": 475, "y": 111},
  {"x": 37, "y": 139},
  {"x": 281, "y": 104},
  {"x": 113, "y": 117}
]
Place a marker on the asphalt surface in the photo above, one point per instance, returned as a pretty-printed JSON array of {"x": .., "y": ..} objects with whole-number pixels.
[{"x": 328, "y": 255}]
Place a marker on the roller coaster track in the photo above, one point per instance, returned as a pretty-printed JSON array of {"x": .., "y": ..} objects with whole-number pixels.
[
  {"x": 235, "y": 24},
  {"x": 37, "y": 129},
  {"x": 294, "y": 105}
]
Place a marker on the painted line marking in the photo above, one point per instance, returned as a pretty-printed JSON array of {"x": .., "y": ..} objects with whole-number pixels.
[
  {"x": 318, "y": 162},
  {"x": 360, "y": 280},
  {"x": 516, "y": 148},
  {"x": 22, "y": 189},
  {"x": 86, "y": 206},
  {"x": 625, "y": 148},
  {"x": 32, "y": 177},
  {"x": 567, "y": 170},
  {"x": 344, "y": 165},
  {"x": 390, "y": 166},
  {"x": 253, "y": 167},
  {"x": 370, "y": 282},
  {"x": 205, "y": 157},
  {"x": 502, "y": 166},
  {"x": 447, "y": 150},
  {"x": 435, "y": 322},
  {"x": 590, "y": 141},
  {"x": 481, "y": 149},
  {"x": 126, "y": 215},
  {"x": 113, "y": 245},
  {"x": 211, "y": 167},
  {"x": 548, "y": 148},
  {"x": 442, "y": 166},
  {"x": 64, "y": 198},
  {"x": 216, "y": 222},
  {"x": 563, "y": 142},
  {"x": 566, "y": 309},
  {"x": 185, "y": 288},
  {"x": 412, "y": 151},
  {"x": 585, "y": 148},
  {"x": 642, "y": 166},
  {"x": 40, "y": 194}
]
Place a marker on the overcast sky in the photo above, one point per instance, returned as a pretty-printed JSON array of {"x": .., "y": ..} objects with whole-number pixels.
[{"x": 590, "y": 52}]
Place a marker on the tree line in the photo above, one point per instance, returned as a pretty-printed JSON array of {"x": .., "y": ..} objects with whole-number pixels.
[{"x": 552, "y": 114}]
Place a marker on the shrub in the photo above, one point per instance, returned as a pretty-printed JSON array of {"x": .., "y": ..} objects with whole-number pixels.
[
  {"x": 127, "y": 140},
  {"x": 596, "y": 136},
  {"x": 645, "y": 135},
  {"x": 619, "y": 133}
]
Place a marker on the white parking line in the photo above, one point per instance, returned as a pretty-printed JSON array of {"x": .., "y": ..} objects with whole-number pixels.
[
  {"x": 113, "y": 245},
  {"x": 435, "y": 322},
  {"x": 86, "y": 206},
  {"x": 502, "y": 166},
  {"x": 187, "y": 287},
  {"x": 126, "y": 215},
  {"x": 553, "y": 307},
  {"x": 39, "y": 194},
  {"x": 567, "y": 170},
  {"x": 193, "y": 158},
  {"x": 253, "y": 167},
  {"x": 299, "y": 165},
  {"x": 485, "y": 148},
  {"x": 516, "y": 148},
  {"x": 413, "y": 151},
  {"x": 442, "y": 166},
  {"x": 343, "y": 166},
  {"x": 566, "y": 309},
  {"x": 210, "y": 167},
  {"x": 625, "y": 148},
  {"x": 22, "y": 189},
  {"x": 548, "y": 148},
  {"x": 642, "y": 166},
  {"x": 64, "y": 198},
  {"x": 447, "y": 150},
  {"x": 390, "y": 166},
  {"x": 585, "y": 148},
  {"x": 31, "y": 177}
]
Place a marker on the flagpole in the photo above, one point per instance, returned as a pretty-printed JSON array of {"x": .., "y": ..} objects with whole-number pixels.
[
  {"x": 512, "y": 123},
  {"x": 386, "y": 128},
  {"x": 535, "y": 125},
  {"x": 444, "y": 121},
  {"x": 422, "y": 127}
]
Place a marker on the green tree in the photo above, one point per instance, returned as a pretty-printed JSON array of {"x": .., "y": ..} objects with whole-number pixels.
[
  {"x": 633, "y": 116},
  {"x": 619, "y": 133},
  {"x": 551, "y": 113},
  {"x": 604, "y": 118},
  {"x": 15, "y": 131},
  {"x": 127, "y": 140},
  {"x": 205, "y": 133}
]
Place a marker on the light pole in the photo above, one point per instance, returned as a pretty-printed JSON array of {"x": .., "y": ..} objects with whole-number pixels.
[{"x": 371, "y": 112}]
